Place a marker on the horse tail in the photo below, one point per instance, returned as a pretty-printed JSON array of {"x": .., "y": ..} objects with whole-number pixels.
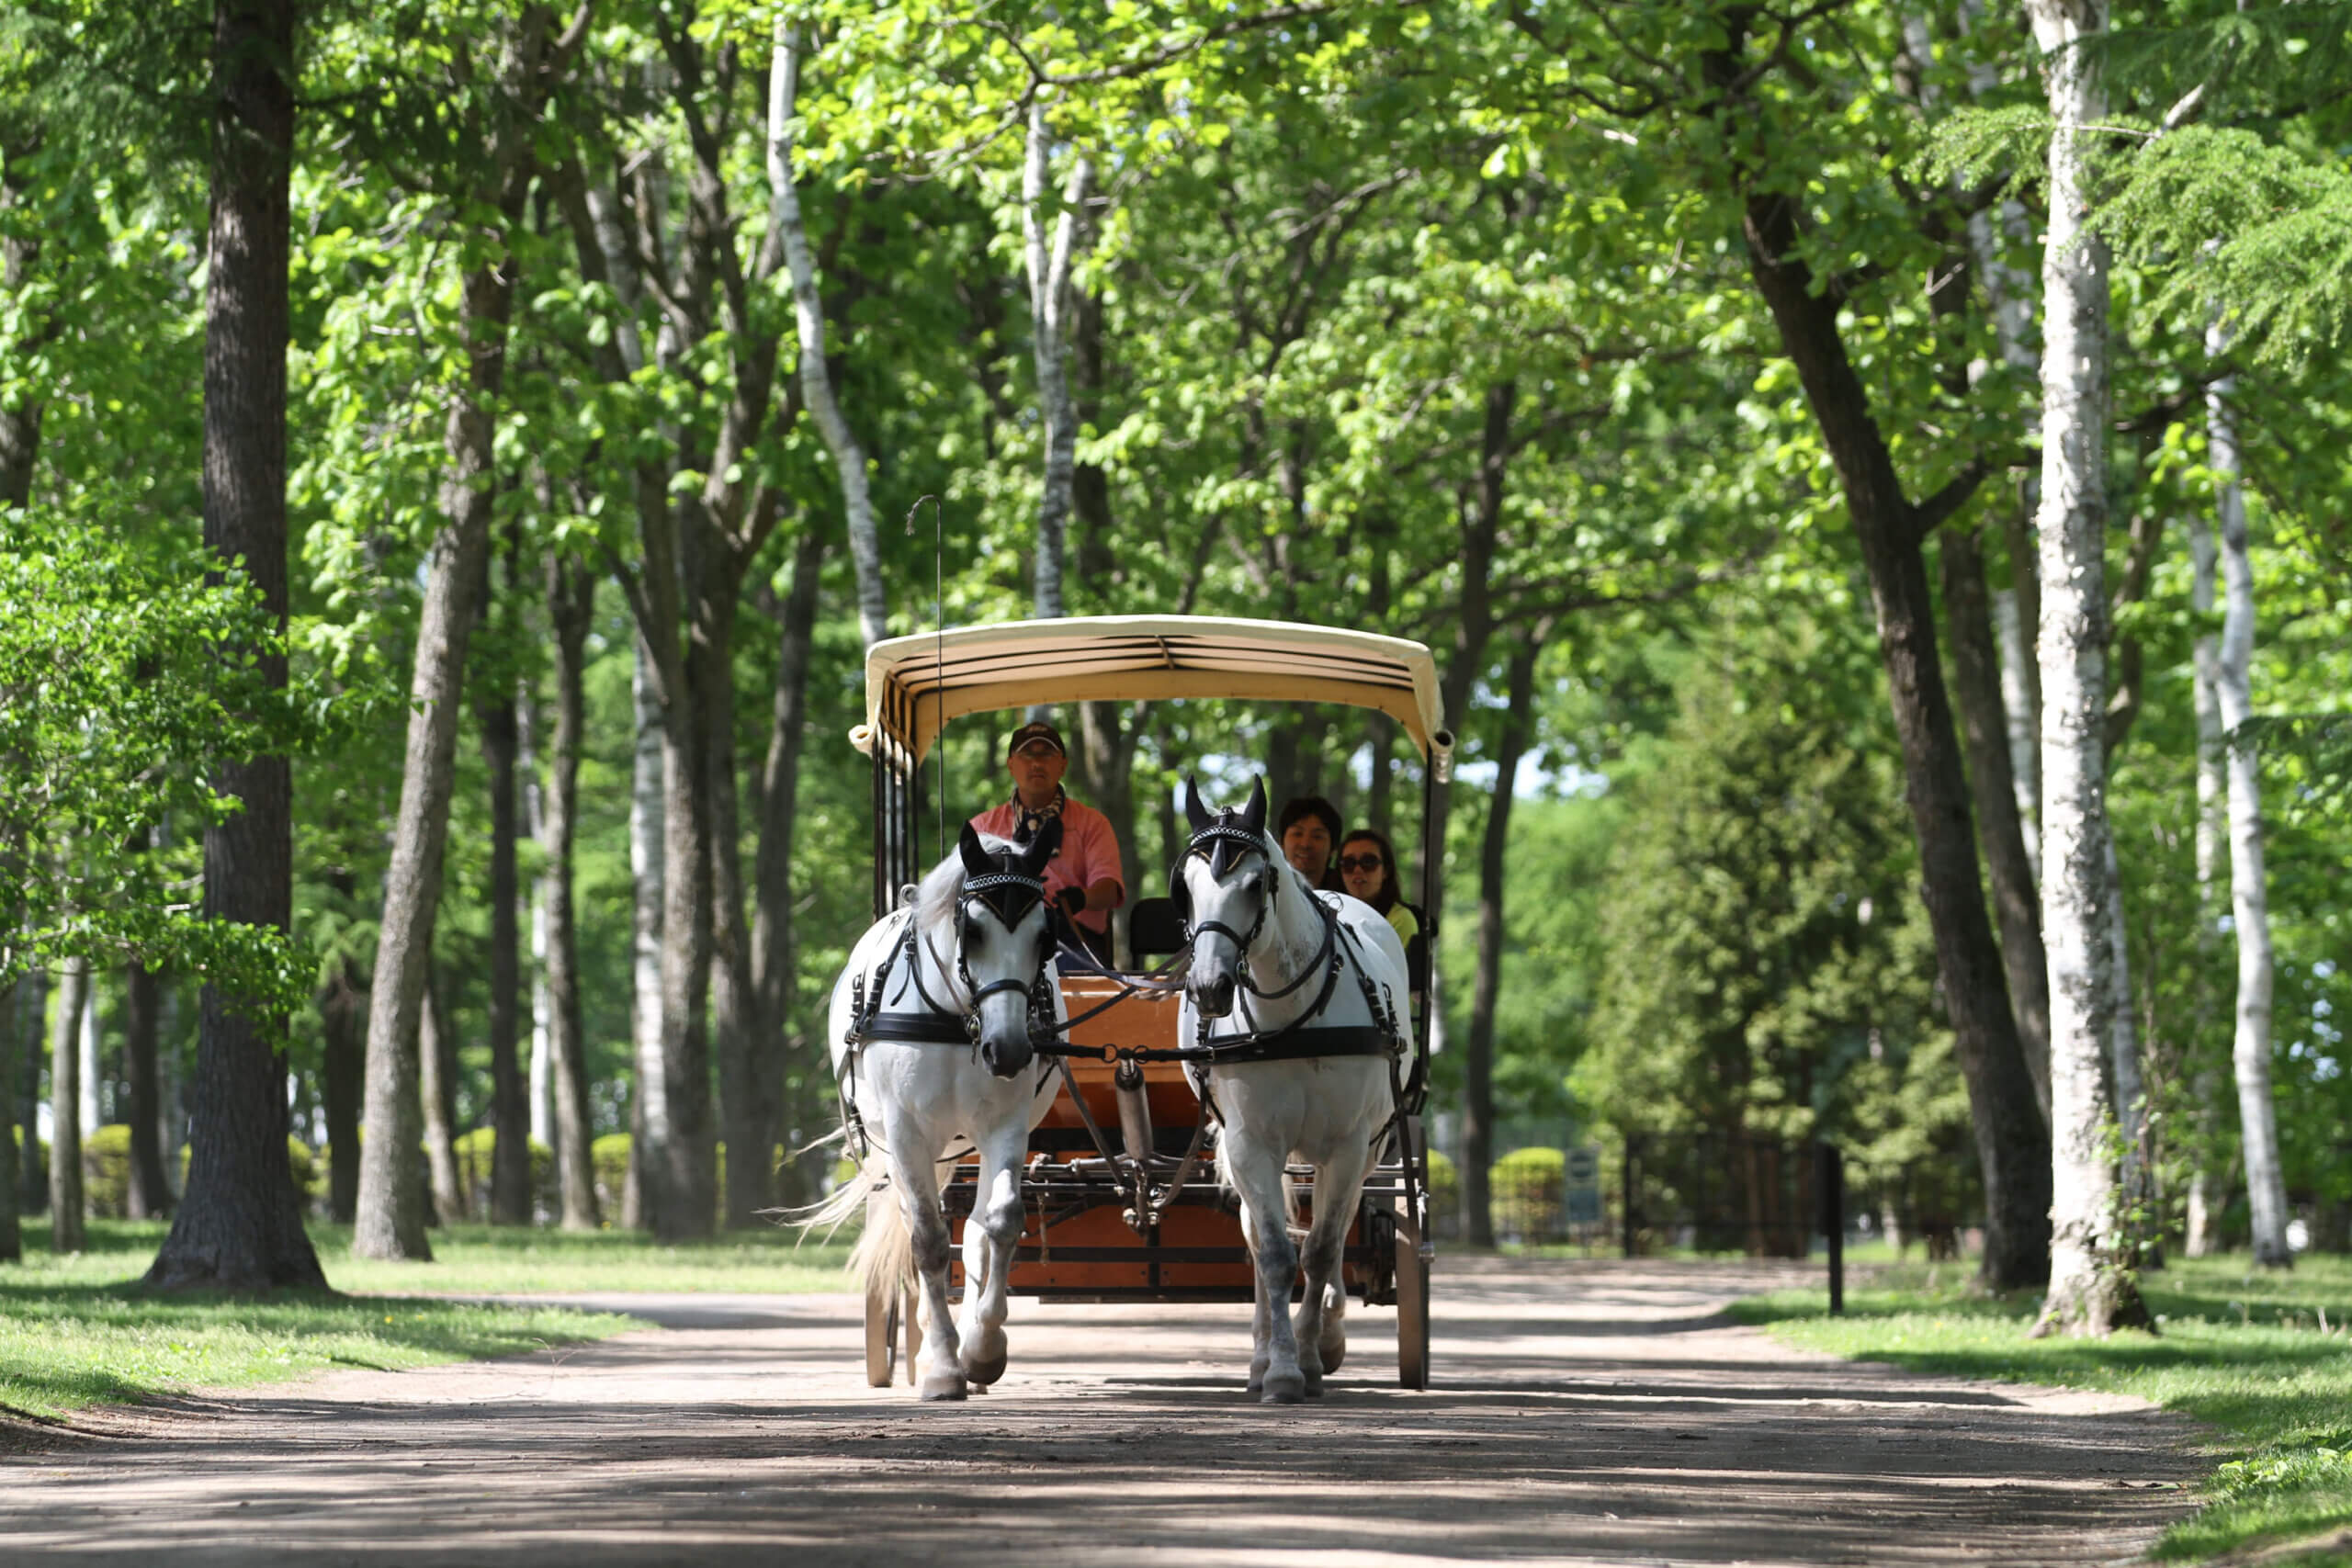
[{"x": 885, "y": 1253}]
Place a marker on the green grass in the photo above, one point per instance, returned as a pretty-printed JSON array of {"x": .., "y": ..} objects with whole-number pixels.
[
  {"x": 2240, "y": 1349},
  {"x": 76, "y": 1330}
]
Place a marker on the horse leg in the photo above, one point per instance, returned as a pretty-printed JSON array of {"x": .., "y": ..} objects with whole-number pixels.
[
  {"x": 1260, "y": 1181},
  {"x": 996, "y": 1222},
  {"x": 1321, "y": 1328},
  {"x": 1261, "y": 1328},
  {"x": 918, "y": 1184}
]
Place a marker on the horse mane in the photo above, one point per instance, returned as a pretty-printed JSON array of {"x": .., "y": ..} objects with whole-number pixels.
[{"x": 943, "y": 884}]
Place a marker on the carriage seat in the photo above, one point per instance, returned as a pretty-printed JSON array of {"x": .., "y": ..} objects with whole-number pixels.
[{"x": 1154, "y": 930}]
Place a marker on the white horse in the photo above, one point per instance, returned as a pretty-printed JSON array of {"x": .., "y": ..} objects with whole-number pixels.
[
  {"x": 931, "y": 1032},
  {"x": 1319, "y": 983}
]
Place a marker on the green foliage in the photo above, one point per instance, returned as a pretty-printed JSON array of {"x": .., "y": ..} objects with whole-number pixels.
[
  {"x": 123, "y": 684},
  {"x": 1767, "y": 967}
]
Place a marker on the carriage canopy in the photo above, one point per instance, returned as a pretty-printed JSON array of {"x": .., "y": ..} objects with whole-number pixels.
[{"x": 915, "y": 684}]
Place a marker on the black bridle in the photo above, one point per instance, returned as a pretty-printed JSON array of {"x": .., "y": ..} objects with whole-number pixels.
[{"x": 1226, "y": 841}]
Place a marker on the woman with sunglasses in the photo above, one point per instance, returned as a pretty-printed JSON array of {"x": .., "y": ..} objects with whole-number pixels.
[{"x": 1368, "y": 871}]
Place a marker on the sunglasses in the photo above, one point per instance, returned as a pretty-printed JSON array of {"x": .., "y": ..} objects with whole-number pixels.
[{"x": 1361, "y": 862}]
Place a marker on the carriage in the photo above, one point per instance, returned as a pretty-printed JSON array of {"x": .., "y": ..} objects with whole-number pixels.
[{"x": 1120, "y": 1201}]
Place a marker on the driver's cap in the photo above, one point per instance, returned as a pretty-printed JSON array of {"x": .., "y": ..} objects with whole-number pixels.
[{"x": 1035, "y": 730}]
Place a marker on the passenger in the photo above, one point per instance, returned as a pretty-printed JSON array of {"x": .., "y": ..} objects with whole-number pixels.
[
  {"x": 1368, "y": 867},
  {"x": 1084, "y": 877},
  {"x": 1308, "y": 830}
]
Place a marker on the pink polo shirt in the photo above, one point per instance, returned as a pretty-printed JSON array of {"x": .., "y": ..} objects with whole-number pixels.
[{"x": 1090, "y": 852}]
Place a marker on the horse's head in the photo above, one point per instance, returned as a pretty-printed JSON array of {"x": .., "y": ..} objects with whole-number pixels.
[
  {"x": 1003, "y": 937},
  {"x": 1225, "y": 885}
]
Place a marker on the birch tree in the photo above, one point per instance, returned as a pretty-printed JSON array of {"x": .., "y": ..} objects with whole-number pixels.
[
  {"x": 2249, "y": 890},
  {"x": 2208, "y": 1189},
  {"x": 2091, "y": 1291},
  {"x": 1049, "y": 296},
  {"x": 809, "y": 316},
  {"x": 65, "y": 1223}
]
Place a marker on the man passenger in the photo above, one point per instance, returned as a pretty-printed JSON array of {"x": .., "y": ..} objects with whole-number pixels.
[{"x": 1084, "y": 877}]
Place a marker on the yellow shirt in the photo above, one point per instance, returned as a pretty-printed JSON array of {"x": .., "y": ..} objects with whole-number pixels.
[{"x": 1400, "y": 919}]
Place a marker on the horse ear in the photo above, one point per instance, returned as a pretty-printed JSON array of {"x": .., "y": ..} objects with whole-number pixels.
[
  {"x": 1253, "y": 816},
  {"x": 976, "y": 858},
  {"x": 1046, "y": 844},
  {"x": 1195, "y": 812}
]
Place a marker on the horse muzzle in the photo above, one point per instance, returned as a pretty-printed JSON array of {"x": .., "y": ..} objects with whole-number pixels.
[
  {"x": 1007, "y": 1057},
  {"x": 1211, "y": 995}
]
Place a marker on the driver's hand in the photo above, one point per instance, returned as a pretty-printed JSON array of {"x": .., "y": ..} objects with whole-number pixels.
[{"x": 1071, "y": 898}]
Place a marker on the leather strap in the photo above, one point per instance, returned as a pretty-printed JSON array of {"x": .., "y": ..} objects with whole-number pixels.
[
  {"x": 916, "y": 1028},
  {"x": 1301, "y": 1044}
]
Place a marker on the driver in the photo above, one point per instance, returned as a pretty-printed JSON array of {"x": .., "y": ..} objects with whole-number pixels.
[{"x": 1084, "y": 877}]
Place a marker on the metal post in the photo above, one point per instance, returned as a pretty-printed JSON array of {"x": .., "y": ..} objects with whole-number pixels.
[
  {"x": 1829, "y": 1182},
  {"x": 1625, "y": 1201}
]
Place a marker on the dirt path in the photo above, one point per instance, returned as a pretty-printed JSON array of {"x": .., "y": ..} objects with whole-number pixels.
[{"x": 1585, "y": 1413}]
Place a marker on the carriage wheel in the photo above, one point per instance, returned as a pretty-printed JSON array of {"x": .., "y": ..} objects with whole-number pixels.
[
  {"x": 906, "y": 1315},
  {"x": 1412, "y": 1307}
]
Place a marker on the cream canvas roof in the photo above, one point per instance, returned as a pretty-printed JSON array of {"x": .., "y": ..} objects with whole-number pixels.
[{"x": 915, "y": 684}]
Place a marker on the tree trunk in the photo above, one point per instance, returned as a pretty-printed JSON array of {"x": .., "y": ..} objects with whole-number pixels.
[
  {"x": 1976, "y": 688},
  {"x": 11, "y": 1243},
  {"x": 343, "y": 1014},
  {"x": 1494, "y": 863},
  {"x": 571, "y": 605},
  {"x": 2209, "y": 1181},
  {"x": 32, "y": 1171},
  {"x": 65, "y": 1203},
  {"x": 808, "y": 312},
  {"x": 1048, "y": 313},
  {"x": 435, "y": 1054},
  {"x": 649, "y": 1105},
  {"x": 509, "y": 1159},
  {"x": 2249, "y": 890},
  {"x": 239, "y": 1225},
  {"x": 2012, "y": 1145},
  {"x": 85, "y": 1104},
  {"x": 774, "y": 952},
  {"x": 2091, "y": 1289},
  {"x": 392, "y": 1220},
  {"x": 680, "y": 1166},
  {"x": 2022, "y": 710},
  {"x": 20, "y": 416},
  {"x": 747, "y": 1099},
  {"x": 143, "y": 1010}
]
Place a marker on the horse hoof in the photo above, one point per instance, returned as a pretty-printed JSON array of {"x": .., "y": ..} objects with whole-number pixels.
[
  {"x": 1314, "y": 1388},
  {"x": 1332, "y": 1348},
  {"x": 1284, "y": 1389},
  {"x": 944, "y": 1388},
  {"x": 984, "y": 1372}
]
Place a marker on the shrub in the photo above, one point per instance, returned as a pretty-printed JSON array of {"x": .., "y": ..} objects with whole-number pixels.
[
  {"x": 475, "y": 1151},
  {"x": 106, "y": 1172},
  {"x": 609, "y": 1156},
  {"x": 1527, "y": 1194}
]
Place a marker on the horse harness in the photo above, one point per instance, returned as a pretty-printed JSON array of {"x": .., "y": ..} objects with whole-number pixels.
[{"x": 1008, "y": 895}]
